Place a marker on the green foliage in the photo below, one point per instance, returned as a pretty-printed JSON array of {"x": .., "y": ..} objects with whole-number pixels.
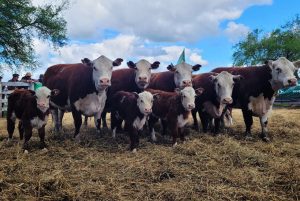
[
  {"x": 20, "y": 23},
  {"x": 259, "y": 47}
]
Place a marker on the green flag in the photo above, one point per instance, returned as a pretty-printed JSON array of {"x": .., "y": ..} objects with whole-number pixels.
[{"x": 182, "y": 57}]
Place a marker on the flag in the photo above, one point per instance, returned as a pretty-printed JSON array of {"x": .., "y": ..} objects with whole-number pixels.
[{"x": 181, "y": 57}]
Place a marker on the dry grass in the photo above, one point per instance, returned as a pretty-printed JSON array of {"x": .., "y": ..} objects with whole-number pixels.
[{"x": 225, "y": 167}]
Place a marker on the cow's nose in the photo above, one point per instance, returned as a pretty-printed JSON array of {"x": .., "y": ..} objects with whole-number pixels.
[
  {"x": 148, "y": 110},
  {"x": 227, "y": 100},
  {"x": 42, "y": 104},
  {"x": 292, "y": 82},
  {"x": 143, "y": 79},
  {"x": 187, "y": 83},
  {"x": 104, "y": 81},
  {"x": 191, "y": 106}
]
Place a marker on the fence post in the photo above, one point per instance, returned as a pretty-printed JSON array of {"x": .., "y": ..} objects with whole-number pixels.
[{"x": 0, "y": 98}]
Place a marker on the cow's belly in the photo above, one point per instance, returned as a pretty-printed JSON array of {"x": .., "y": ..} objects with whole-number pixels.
[
  {"x": 38, "y": 123},
  {"x": 91, "y": 104},
  {"x": 260, "y": 105}
]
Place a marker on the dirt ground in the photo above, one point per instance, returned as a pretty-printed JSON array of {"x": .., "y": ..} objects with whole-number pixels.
[{"x": 205, "y": 167}]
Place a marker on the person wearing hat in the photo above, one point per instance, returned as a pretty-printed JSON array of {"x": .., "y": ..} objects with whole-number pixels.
[
  {"x": 15, "y": 78},
  {"x": 27, "y": 78}
]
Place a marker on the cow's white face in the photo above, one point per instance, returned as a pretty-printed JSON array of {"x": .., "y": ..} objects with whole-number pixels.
[
  {"x": 43, "y": 95},
  {"x": 102, "y": 70},
  {"x": 283, "y": 73},
  {"x": 223, "y": 84},
  {"x": 188, "y": 96},
  {"x": 142, "y": 72},
  {"x": 183, "y": 74},
  {"x": 145, "y": 102}
]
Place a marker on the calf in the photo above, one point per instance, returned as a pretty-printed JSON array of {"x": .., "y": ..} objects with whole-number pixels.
[
  {"x": 256, "y": 93},
  {"x": 134, "y": 109},
  {"x": 217, "y": 94},
  {"x": 32, "y": 109},
  {"x": 173, "y": 108}
]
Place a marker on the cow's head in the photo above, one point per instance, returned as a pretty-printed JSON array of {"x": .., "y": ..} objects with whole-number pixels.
[
  {"x": 143, "y": 72},
  {"x": 102, "y": 70},
  {"x": 43, "y": 95},
  {"x": 183, "y": 74},
  {"x": 188, "y": 95},
  {"x": 223, "y": 85},
  {"x": 282, "y": 71},
  {"x": 145, "y": 102}
]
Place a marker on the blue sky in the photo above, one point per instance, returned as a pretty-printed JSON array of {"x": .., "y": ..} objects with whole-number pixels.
[{"x": 158, "y": 30}]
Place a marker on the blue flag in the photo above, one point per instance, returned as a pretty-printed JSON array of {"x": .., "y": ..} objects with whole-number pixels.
[{"x": 181, "y": 57}]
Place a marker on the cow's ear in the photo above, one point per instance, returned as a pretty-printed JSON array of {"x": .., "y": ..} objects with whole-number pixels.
[
  {"x": 171, "y": 67},
  {"x": 199, "y": 91},
  {"x": 178, "y": 91},
  {"x": 87, "y": 62},
  {"x": 196, "y": 67},
  {"x": 213, "y": 78},
  {"x": 269, "y": 63},
  {"x": 135, "y": 94},
  {"x": 55, "y": 92},
  {"x": 130, "y": 64},
  {"x": 32, "y": 92},
  {"x": 117, "y": 62},
  {"x": 297, "y": 64},
  {"x": 155, "y": 65},
  {"x": 156, "y": 96},
  {"x": 237, "y": 77}
]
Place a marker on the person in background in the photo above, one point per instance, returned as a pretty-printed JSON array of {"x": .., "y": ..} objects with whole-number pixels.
[
  {"x": 27, "y": 78},
  {"x": 15, "y": 78},
  {"x": 41, "y": 78}
]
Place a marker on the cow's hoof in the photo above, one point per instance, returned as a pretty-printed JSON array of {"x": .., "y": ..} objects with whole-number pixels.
[
  {"x": 249, "y": 138},
  {"x": 77, "y": 138},
  {"x": 153, "y": 137},
  {"x": 26, "y": 151},
  {"x": 98, "y": 131},
  {"x": 9, "y": 140},
  {"x": 134, "y": 150},
  {"x": 175, "y": 144},
  {"x": 45, "y": 150},
  {"x": 265, "y": 138}
]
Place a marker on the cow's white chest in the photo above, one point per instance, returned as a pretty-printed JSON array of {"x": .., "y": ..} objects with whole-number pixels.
[
  {"x": 260, "y": 105},
  {"x": 91, "y": 104},
  {"x": 181, "y": 121},
  {"x": 139, "y": 123},
  {"x": 36, "y": 122}
]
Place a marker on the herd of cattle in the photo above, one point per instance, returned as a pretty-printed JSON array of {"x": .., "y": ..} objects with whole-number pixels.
[{"x": 135, "y": 95}]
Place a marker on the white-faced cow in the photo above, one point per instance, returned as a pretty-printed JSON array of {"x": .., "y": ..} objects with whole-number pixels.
[
  {"x": 133, "y": 79},
  {"x": 32, "y": 109},
  {"x": 173, "y": 109},
  {"x": 178, "y": 76},
  {"x": 255, "y": 94},
  {"x": 217, "y": 94},
  {"x": 83, "y": 89},
  {"x": 134, "y": 109}
]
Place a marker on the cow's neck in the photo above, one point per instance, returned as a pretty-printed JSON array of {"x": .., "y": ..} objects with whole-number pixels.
[{"x": 180, "y": 109}]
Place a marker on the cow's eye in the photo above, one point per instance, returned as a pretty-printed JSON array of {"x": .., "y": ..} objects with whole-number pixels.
[
  {"x": 219, "y": 85},
  {"x": 95, "y": 69},
  {"x": 149, "y": 69},
  {"x": 142, "y": 101},
  {"x": 35, "y": 97},
  {"x": 184, "y": 96},
  {"x": 176, "y": 72},
  {"x": 278, "y": 70},
  {"x": 48, "y": 96}
]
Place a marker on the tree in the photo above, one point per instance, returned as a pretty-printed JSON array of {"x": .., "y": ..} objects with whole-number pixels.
[
  {"x": 20, "y": 23},
  {"x": 258, "y": 47}
]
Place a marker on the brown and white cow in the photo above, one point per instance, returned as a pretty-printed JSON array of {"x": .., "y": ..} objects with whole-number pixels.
[
  {"x": 217, "y": 94},
  {"x": 32, "y": 109},
  {"x": 83, "y": 89},
  {"x": 134, "y": 109},
  {"x": 178, "y": 76},
  {"x": 173, "y": 108},
  {"x": 133, "y": 79},
  {"x": 255, "y": 94}
]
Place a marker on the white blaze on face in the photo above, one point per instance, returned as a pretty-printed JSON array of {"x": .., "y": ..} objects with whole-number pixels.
[
  {"x": 188, "y": 98},
  {"x": 42, "y": 98},
  {"x": 145, "y": 102},
  {"x": 183, "y": 75},
  {"x": 282, "y": 73},
  {"x": 142, "y": 73},
  {"x": 223, "y": 84}
]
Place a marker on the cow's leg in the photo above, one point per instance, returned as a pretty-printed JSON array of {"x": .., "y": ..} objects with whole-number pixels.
[
  {"x": 134, "y": 138},
  {"x": 194, "y": 115},
  {"x": 164, "y": 124},
  {"x": 21, "y": 130},
  {"x": 264, "y": 129},
  {"x": 77, "y": 122},
  {"x": 174, "y": 131},
  {"x": 217, "y": 122},
  {"x": 181, "y": 133},
  {"x": 85, "y": 122},
  {"x": 152, "y": 120},
  {"x": 103, "y": 117},
  {"x": 97, "y": 120},
  {"x": 248, "y": 119},
  {"x": 10, "y": 126},
  {"x": 204, "y": 121},
  {"x": 61, "y": 114},
  {"x": 28, "y": 134},
  {"x": 41, "y": 132},
  {"x": 54, "y": 113}
]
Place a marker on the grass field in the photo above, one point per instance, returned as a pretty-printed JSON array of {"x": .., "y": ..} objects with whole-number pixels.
[{"x": 226, "y": 167}]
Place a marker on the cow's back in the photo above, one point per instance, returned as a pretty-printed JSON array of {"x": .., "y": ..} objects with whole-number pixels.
[
  {"x": 204, "y": 81},
  {"x": 162, "y": 81}
]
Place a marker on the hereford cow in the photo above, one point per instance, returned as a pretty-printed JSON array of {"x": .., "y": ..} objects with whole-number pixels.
[
  {"x": 134, "y": 109},
  {"x": 178, "y": 76},
  {"x": 217, "y": 94},
  {"x": 83, "y": 89},
  {"x": 173, "y": 108},
  {"x": 134, "y": 79},
  {"x": 32, "y": 109},
  {"x": 255, "y": 94}
]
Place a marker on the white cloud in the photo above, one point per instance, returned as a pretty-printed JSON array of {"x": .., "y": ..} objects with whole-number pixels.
[
  {"x": 236, "y": 31},
  {"x": 156, "y": 20}
]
